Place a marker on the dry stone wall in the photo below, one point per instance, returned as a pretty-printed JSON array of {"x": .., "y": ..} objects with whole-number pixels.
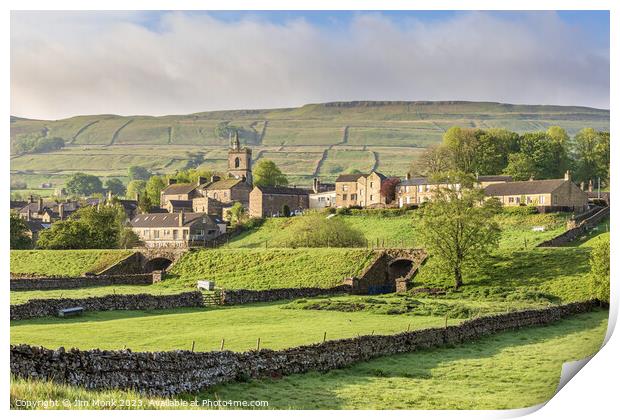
[
  {"x": 63, "y": 282},
  {"x": 174, "y": 372},
  {"x": 36, "y": 308},
  {"x": 243, "y": 296},
  {"x": 577, "y": 232}
]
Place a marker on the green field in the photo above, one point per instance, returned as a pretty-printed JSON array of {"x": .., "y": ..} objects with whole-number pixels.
[
  {"x": 64, "y": 262},
  {"x": 392, "y": 133},
  {"x": 514, "y": 369},
  {"x": 239, "y": 326},
  {"x": 400, "y": 231}
]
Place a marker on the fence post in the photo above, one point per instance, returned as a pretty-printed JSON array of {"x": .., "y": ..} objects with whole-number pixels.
[
  {"x": 258, "y": 344},
  {"x": 324, "y": 336},
  {"x": 193, "y": 343},
  {"x": 222, "y": 345}
]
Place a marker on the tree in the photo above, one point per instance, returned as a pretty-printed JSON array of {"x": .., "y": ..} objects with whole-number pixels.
[
  {"x": 153, "y": 189},
  {"x": 116, "y": 186},
  {"x": 267, "y": 174},
  {"x": 458, "y": 227},
  {"x": 462, "y": 145},
  {"x": 138, "y": 173},
  {"x": 19, "y": 233},
  {"x": 599, "y": 270},
  {"x": 88, "y": 228},
  {"x": 433, "y": 160},
  {"x": 135, "y": 188},
  {"x": 144, "y": 204},
  {"x": 286, "y": 210},
  {"x": 492, "y": 150},
  {"x": 316, "y": 231},
  {"x": 591, "y": 155},
  {"x": 237, "y": 213},
  {"x": 83, "y": 184},
  {"x": 128, "y": 239},
  {"x": 520, "y": 167},
  {"x": 388, "y": 189}
]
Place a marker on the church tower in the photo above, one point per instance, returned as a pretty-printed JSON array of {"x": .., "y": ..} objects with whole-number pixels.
[{"x": 239, "y": 160}]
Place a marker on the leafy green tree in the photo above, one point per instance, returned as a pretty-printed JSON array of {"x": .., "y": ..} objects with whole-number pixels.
[
  {"x": 267, "y": 174},
  {"x": 88, "y": 228},
  {"x": 116, "y": 186},
  {"x": 316, "y": 231},
  {"x": 135, "y": 188},
  {"x": 457, "y": 228},
  {"x": 433, "y": 160},
  {"x": 128, "y": 239},
  {"x": 237, "y": 213},
  {"x": 591, "y": 155},
  {"x": 153, "y": 189},
  {"x": 83, "y": 184},
  {"x": 19, "y": 233},
  {"x": 192, "y": 175},
  {"x": 138, "y": 173},
  {"x": 144, "y": 204},
  {"x": 462, "y": 147},
  {"x": 599, "y": 270},
  {"x": 520, "y": 167},
  {"x": 492, "y": 150}
]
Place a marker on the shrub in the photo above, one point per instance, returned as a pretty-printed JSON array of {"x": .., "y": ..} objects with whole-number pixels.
[
  {"x": 316, "y": 231},
  {"x": 599, "y": 270},
  {"x": 520, "y": 210}
]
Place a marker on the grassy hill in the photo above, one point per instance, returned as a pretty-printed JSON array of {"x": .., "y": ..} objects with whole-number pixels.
[
  {"x": 64, "y": 262},
  {"x": 317, "y": 139}
]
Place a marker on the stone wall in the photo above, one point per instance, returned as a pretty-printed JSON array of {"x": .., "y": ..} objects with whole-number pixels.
[
  {"x": 63, "y": 282},
  {"x": 577, "y": 232},
  {"x": 36, "y": 308},
  {"x": 243, "y": 296},
  {"x": 174, "y": 372},
  {"x": 129, "y": 265}
]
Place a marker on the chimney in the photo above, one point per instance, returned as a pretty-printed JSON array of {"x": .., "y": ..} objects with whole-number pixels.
[
  {"x": 567, "y": 176},
  {"x": 214, "y": 178},
  {"x": 29, "y": 215},
  {"x": 31, "y": 198},
  {"x": 583, "y": 186},
  {"x": 315, "y": 185},
  {"x": 590, "y": 185},
  {"x": 61, "y": 211},
  {"x": 40, "y": 203},
  {"x": 408, "y": 176},
  {"x": 181, "y": 218},
  {"x": 137, "y": 195},
  {"x": 171, "y": 181}
]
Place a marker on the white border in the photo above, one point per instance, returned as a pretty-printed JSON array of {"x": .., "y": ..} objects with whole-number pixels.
[{"x": 592, "y": 394}]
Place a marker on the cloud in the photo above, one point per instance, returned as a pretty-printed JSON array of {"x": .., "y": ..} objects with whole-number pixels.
[{"x": 65, "y": 64}]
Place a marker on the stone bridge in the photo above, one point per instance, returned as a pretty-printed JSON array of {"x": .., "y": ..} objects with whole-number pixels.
[
  {"x": 146, "y": 260},
  {"x": 391, "y": 271}
]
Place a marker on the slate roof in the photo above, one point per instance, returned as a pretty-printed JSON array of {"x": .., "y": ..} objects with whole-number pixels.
[
  {"x": 355, "y": 177},
  {"x": 223, "y": 184},
  {"x": 164, "y": 220},
  {"x": 181, "y": 203},
  {"x": 34, "y": 225},
  {"x": 415, "y": 181},
  {"x": 542, "y": 186},
  {"x": 179, "y": 189},
  {"x": 282, "y": 190}
]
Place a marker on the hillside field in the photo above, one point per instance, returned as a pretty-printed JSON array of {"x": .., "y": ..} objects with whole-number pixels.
[
  {"x": 64, "y": 262},
  {"x": 313, "y": 140}
]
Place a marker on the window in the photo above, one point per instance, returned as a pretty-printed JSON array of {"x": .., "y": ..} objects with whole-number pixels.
[
  {"x": 370, "y": 184},
  {"x": 353, "y": 196},
  {"x": 345, "y": 188},
  {"x": 518, "y": 200},
  {"x": 511, "y": 199},
  {"x": 175, "y": 234},
  {"x": 370, "y": 197},
  {"x": 237, "y": 162},
  {"x": 420, "y": 188},
  {"x": 344, "y": 197},
  {"x": 156, "y": 233},
  {"x": 541, "y": 199},
  {"x": 408, "y": 200},
  {"x": 529, "y": 199}
]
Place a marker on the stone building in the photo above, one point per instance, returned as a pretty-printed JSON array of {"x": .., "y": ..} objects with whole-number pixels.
[
  {"x": 177, "y": 229},
  {"x": 545, "y": 194},
  {"x": 270, "y": 201},
  {"x": 360, "y": 190},
  {"x": 239, "y": 160},
  {"x": 413, "y": 191},
  {"x": 183, "y": 192}
]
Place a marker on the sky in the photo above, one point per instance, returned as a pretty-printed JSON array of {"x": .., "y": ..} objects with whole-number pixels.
[{"x": 160, "y": 63}]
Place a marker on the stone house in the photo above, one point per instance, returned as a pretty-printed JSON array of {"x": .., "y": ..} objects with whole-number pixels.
[
  {"x": 227, "y": 190},
  {"x": 184, "y": 191},
  {"x": 177, "y": 229},
  {"x": 546, "y": 194},
  {"x": 417, "y": 190},
  {"x": 177, "y": 206},
  {"x": 360, "y": 190},
  {"x": 270, "y": 201}
]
